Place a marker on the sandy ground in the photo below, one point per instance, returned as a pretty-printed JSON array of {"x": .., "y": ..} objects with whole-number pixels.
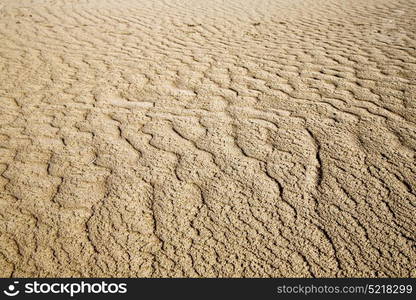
[{"x": 207, "y": 138}]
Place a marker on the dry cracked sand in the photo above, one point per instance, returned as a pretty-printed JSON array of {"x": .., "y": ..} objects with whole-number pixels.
[{"x": 207, "y": 138}]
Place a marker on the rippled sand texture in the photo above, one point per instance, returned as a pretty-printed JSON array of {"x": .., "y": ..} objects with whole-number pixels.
[{"x": 207, "y": 138}]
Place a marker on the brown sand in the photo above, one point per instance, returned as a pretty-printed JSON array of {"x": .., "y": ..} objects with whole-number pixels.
[{"x": 207, "y": 138}]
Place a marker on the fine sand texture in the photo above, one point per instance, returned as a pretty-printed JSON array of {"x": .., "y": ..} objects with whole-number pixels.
[{"x": 195, "y": 138}]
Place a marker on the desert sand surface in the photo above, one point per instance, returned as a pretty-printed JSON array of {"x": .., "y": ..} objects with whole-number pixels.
[{"x": 193, "y": 138}]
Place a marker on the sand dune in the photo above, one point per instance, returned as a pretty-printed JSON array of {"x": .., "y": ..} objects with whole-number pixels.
[{"x": 192, "y": 138}]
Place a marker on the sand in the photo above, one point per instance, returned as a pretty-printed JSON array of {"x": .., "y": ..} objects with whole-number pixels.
[{"x": 195, "y": 138}]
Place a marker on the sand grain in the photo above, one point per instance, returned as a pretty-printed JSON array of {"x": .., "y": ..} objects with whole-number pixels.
[{"x": 207, "y": 138}]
